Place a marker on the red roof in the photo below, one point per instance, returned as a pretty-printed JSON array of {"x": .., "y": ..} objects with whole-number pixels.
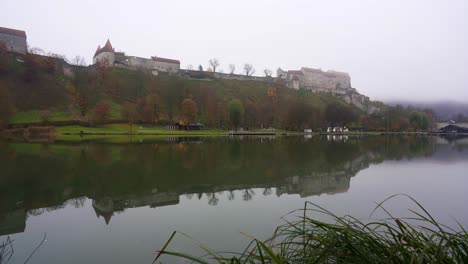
[
  {"x": 165, "y": 60},
  {"x": 97, "y": 50},
  {"x": 107, "y": 48},
  {"x": 14, "y": 32}
]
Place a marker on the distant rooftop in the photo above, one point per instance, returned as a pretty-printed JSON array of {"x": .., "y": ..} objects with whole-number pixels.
[
  {"x": 107, "y": 48},
  {"x": 165, "y": 60},
  {"x": 13, "y": 32},
  {"x": 329, "y": 73}
]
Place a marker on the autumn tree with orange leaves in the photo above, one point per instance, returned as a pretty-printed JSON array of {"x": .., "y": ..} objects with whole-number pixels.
[{"x": 188, "y": 111}]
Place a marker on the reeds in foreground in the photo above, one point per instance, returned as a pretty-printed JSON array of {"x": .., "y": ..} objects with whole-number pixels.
[
  {"x": 6, "y": 250},
  {"x": 415, "y": 239}
]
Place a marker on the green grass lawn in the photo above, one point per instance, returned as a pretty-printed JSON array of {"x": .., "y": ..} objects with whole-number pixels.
[
  {"x": 35, "y": 116},
  {"x": 124, "y": 129}
]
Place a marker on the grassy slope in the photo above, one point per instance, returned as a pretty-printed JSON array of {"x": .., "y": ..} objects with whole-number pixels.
[{"x": 55, "y": 92}]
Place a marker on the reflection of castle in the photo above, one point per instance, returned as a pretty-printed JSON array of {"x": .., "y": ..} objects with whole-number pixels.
[
  {"x": 106, "y": 207},
  {"x": 312, "y": 185},
  {"x": 156, "y": 175},
  {"x": 13, "y": 222},
  {"x": 108, "y": 56}
]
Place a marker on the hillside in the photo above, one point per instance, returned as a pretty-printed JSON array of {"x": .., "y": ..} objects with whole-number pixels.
[
  {"x": 444, "y": 110},
  {"x": 45, "y": 89},
  {"x": 42, "y": 83}
]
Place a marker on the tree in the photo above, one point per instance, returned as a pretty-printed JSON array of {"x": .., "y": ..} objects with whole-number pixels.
[
  {"x": 3, "y": 57},
  {"x": 148, "y": 108},
  {"x": 232, "y": 68},
  {"x": 78, "y": 61},
  {"x": 419, "y": 120},
  {"x": 236, "y": 113},
  {"x": 83, "y": 103},
  {"x": 268, "y": 72},
  {"x": 36, "y": 51},
  {"x": 200, "y": 68},
  {"x": 101, "y": 110},
  {"x": 252, "y": 118},
  {"x": 45, "y": 116},
  {"x": 214, "y": 64},
  {"x": 188, "y": 111},
  {"x": 129, "y": 112},
  {"x": 7, "y": 109},
  {"x": 249, "y": 69},
  {"x": 338, "y": 114},
  {"x": 190, "y": 67}
]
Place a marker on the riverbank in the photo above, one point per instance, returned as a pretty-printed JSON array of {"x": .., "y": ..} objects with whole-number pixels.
[
  {"x": 307, "y": 238},
  {"x": 127, "y": 132}
]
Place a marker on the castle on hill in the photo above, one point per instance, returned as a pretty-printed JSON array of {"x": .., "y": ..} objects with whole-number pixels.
[
  {"x": 108, "y": 56},
  {"x": 316, "y": 80}
]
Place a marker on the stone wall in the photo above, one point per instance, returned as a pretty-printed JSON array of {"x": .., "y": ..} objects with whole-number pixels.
[
  {"x": 317, "y": 79},
  {"x": 14, "y": 43},
  {"x": 225, "y": 76},
  {"x": 106, "y": 57},
  {"x": 140, "y": 63},
  {"x": 166, "y": 66}
]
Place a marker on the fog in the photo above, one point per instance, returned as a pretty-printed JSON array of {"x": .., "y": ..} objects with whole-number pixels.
[{"x": 399, "y": 49}]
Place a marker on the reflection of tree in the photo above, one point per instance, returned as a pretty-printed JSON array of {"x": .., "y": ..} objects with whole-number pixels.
[
  {"x": 212, "y": 199},
  {"x": 267, "y": 191},
  {"x": 37, "y": 211},
  {"x": 189, "y": 196},
  {"x": 53, "y": 208},
  {"x": 78, "y": 202},
  {"x": 231, "y": 195},
  {"x": 248, "y": 194}
]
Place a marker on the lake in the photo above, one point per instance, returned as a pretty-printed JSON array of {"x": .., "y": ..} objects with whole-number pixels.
[{"x": 112, "y": 201}]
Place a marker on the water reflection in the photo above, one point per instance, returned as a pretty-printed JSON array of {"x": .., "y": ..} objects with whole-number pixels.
[{"x": 37, "y": 178}]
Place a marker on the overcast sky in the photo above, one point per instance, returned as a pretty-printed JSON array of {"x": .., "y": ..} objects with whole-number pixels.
[{"x": 395, "y": 49}]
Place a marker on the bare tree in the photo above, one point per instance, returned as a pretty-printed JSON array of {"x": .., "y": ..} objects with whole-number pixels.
[
  {"x": 214, "y": 63},
  {"x": 232, "y": 68},
  {"x": 58, "y": 56},
  {"x": 248, "y": 194},
  {"x": 212, "y": 199},
  {"x": 249, "y": 69},
  {"x": 78, "y": 61},
  {"x": 190, "y": 67},
  {"x": 267, "y": 191},
  {"x": 268, "y": 72},
  {"x": 231, "y": 195},
  {"x": 37, "y": 51}
]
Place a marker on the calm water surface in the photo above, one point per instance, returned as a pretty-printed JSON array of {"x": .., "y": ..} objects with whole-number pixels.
[{"x": 114, "y": 202}]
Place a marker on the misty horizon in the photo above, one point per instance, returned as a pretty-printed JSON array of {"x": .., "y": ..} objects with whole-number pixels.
[{"x": 393, "y": 51}]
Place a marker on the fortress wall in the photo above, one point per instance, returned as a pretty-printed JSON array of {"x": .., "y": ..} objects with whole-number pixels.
[
  {"x": 141, "y": 63},
  {"x": 14, "y": 43},
  {"x": 321, "y": 80},
  {"x": 166, "y": 66},
  {"x": 105, "y": 57}
]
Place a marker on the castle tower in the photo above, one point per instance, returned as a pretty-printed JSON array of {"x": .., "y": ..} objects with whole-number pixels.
[{"x": 105, "y": 55}]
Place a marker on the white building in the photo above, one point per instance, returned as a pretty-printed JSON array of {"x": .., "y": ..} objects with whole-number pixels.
[{"x": 317, "y": 80}]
